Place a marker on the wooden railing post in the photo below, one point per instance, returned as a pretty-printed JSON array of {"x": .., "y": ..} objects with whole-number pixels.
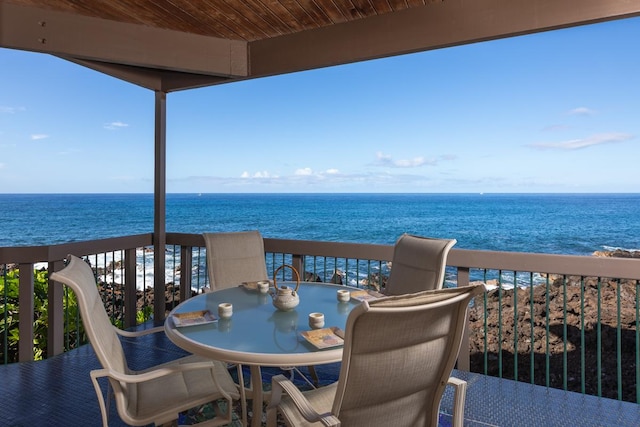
[
  {"x": 25, "y": 314},
  {"x": 464, "y": 359},
  {"x": 298, "y": 264},
  {"x": 185, "y": 272},
  {"x": 55, "y": 332},
  {"x": 130, "y": 288}
]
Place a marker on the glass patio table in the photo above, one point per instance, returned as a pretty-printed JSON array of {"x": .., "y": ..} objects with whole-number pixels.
[{"x": 259, "y": 335}]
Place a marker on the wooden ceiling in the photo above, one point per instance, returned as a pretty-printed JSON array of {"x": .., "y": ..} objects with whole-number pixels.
[
  {"x": 168, "y": 45},
  {"x": 247, "y": 20}
]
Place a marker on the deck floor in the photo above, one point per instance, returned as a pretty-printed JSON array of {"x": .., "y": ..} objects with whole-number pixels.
[{"x": 59, "y": 392}]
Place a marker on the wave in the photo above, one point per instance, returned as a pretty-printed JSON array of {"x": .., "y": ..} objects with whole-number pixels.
[
  {"x": 618, "y": 248},
  {"x": 110, "y": 270}
]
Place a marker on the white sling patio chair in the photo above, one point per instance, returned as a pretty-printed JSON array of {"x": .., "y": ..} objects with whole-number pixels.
[
  {"x": 418, "y": 264},
  {"x": 156, "y": 395},
  {"x": 235, "y": 257},
  {"x": 399, "y": 352}
]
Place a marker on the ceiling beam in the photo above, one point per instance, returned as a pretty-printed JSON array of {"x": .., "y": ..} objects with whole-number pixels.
[
  {"x": 433, "y": 26},
  {"x": 153, "y": 79},
  {"x": 86, "y": 38}
]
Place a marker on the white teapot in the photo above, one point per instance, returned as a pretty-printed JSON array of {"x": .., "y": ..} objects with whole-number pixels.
[{"x": 285, "y": 298}]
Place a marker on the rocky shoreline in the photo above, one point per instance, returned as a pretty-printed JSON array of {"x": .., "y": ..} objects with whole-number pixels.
[
  {"x": 547, "y": 315},
  {"x": 537, "y": 319}
]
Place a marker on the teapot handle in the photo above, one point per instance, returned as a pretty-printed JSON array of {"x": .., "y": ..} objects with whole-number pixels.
[{"x": 295, "y": 272}]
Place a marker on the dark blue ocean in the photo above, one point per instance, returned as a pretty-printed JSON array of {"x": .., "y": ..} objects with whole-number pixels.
[{"x": 544, "y": 223}]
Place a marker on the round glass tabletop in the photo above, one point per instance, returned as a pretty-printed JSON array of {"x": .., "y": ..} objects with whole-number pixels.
[{"x": 258, "y": 333}]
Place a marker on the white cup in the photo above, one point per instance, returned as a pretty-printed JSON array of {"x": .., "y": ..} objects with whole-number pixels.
[
  {"x": 225, "y": 310},
  {"x": 263, "y": 286},
  {"x": 316, "y": 320},
  {"x": 344, "y": 295}
]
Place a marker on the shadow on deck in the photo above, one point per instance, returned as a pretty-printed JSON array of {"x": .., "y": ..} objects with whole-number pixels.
[{"x": 58, "y": 391}]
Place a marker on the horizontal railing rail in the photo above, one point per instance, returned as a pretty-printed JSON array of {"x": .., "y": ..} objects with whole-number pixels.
[
  {"x": 52, "y": 305},
  {"x": 513, "y": 328}
]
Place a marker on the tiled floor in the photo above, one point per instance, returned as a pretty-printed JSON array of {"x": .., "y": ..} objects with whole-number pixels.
[{"x": 59, "y": 392}]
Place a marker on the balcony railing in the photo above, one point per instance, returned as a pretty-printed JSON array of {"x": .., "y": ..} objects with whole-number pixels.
[{"x": 568, "y": 322}]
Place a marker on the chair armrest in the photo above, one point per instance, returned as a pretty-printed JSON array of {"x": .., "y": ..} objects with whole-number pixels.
[
  {"x": 459, "y": 395},
  {"x": 163, "y": 370},
  {"x": 134, "y": 334},
  {"x": 280, "y": 384},
  {"x": 152, "y": 373}
]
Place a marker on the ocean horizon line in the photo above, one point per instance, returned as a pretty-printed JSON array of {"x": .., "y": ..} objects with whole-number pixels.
[
  {"x": 485, "y": 193},
  {"x": 567, "y": 223}
]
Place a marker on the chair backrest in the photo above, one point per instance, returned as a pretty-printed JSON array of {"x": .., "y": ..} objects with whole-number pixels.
[
  {"x": 103, "y": 338},
  {"x": 233, "y": 258},
  {"x": 398, "y": 355},
  {"x": 418, "y": 264}
]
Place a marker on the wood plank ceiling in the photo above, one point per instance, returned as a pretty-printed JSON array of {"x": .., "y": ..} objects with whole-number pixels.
[
  {"x": 247, "y": 20},
  {"x": 168, "y": 45}
]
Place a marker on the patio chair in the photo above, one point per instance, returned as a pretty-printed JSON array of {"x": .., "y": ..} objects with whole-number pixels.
[
  {"x": 399, "y": 352},
  {"x": 156, "y": 395},
  {"x": 233, "y": 258},
  {"x": 237, "y": 257},
  {"x": 418, "y": 264}
]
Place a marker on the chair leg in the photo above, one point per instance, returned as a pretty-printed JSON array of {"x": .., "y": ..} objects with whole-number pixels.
[
  {"x": 272, "y": 416},
  {"x": 243, "y": 395},
  {"x": 314, "y": 375},
  {"x": 109, "y": 395},
  {"x": 459, "y": 397},
  {"x": 101, "y": 400}
]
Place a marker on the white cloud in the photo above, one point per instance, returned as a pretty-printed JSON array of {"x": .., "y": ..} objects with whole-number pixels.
[
  {"x": 115, "y": 125},
  {"x": 259, "y": 174},
  {"x": 576, "y": 144},
  {"x": 386, "y": 160},
  {"x": 303, "y": 172},
  {"x": 37, "y": 136},
  {"x": 324, "y": 181},
  {"x": 410, "y": 163},
  {"x": 582, "y": 111},
  {"x": 377, "y": 180}
]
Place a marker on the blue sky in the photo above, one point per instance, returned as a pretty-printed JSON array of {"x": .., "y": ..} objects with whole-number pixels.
[{"x": 551, "y": 112}]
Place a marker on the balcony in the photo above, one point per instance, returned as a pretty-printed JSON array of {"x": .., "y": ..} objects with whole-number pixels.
[{"x": 568, "y": 334}]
